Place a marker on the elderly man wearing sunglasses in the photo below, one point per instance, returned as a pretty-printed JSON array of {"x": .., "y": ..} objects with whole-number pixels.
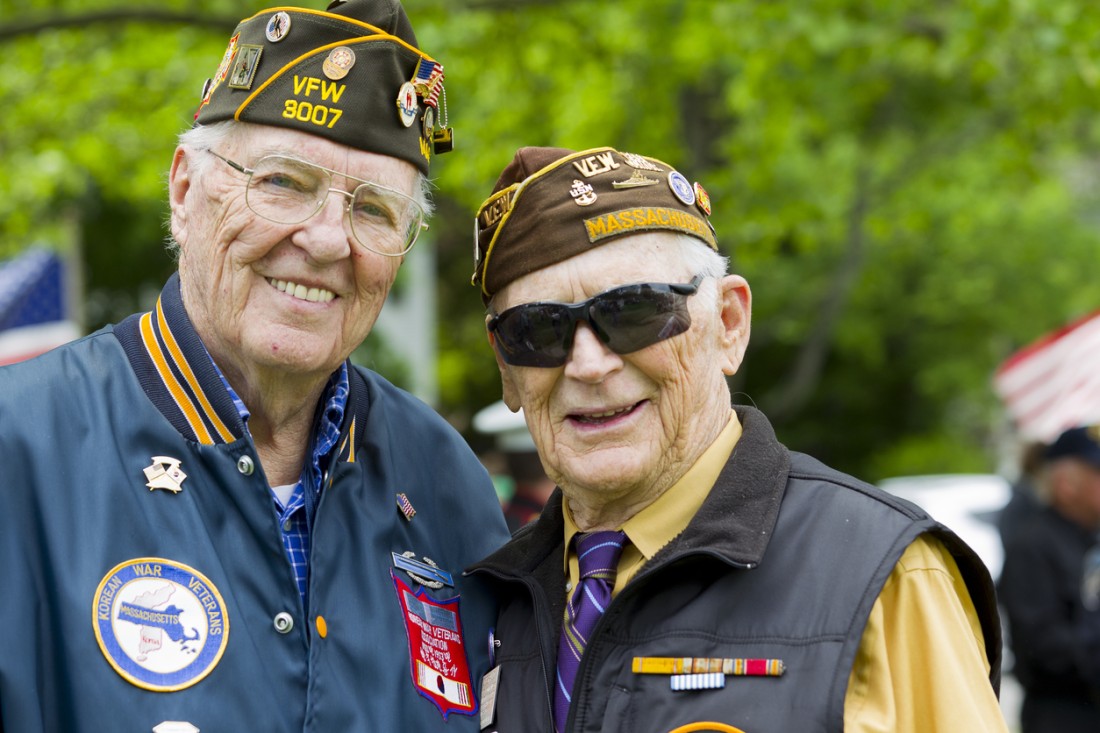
[
  {"x": 214, "y": 520},
  {"x": 692, "y": 573}
]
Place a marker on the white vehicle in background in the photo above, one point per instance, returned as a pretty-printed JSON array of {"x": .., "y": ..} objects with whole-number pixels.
[{"x": 968, "y": 503}]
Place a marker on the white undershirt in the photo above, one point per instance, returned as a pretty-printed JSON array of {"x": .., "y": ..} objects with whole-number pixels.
[{"x": 282, "y": 493}]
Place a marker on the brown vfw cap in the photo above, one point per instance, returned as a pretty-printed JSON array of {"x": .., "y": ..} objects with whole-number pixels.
[{"x": 550, "y": 204}]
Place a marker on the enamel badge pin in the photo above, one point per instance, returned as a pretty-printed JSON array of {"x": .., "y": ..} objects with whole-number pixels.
[
  {"x": 405, "y": 506},
  {"x": 425, "y": 571},
  {"x": 278, "y": 26},
  {"x": 244, "y": 67},
  {"x": 165, "y": 473},
  {"x": 338, "y": 63},
  {"x": 582, "y": 193},
  {"x": 681, "y": 189},
  {"x": 407, "y": 106}
]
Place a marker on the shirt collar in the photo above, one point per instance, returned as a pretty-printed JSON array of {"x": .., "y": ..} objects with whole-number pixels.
[{"x": 655, "y": 526}]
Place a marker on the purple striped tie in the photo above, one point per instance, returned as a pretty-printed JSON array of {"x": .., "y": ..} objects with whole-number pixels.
[{"x": 598, "y": 555}]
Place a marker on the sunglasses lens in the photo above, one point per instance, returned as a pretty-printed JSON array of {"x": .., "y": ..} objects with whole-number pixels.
[
  {"x": 638, "y": 316},
  {"x": 535, "y": 335},
  {"x": 626, "y": 319}
]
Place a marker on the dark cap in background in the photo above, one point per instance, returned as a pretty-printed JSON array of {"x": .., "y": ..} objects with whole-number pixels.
[
  {"x": 1082, "y": 443},
  {"x": 352, "y": 74},
  {"x": 550, "y": 204}
]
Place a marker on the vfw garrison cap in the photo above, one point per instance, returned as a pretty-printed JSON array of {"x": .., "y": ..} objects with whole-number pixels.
[
  {"x": 550, "y": 204},
  {"x": 352, "y": 73}
]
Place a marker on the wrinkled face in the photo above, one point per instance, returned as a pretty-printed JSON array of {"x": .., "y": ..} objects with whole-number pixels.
[
  {"x": 610, "y": 426},
  {"x": 278, "y": 299}
]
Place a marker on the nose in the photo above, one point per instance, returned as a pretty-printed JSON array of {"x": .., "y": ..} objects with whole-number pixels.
[
  {"x": 326, "y": 235},
  {"x": 589, "y": 359}
]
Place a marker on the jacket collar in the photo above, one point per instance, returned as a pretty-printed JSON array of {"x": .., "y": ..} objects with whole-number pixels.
[
  {"x": 735, "y": 522},
  {"x": 176, "y": 371}
]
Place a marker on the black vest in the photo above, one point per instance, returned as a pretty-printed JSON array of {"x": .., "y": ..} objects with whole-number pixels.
[{"x": 784, "y": 561}]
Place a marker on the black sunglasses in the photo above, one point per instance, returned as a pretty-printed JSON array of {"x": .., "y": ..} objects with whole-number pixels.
[{"x": 626, "y": 319}]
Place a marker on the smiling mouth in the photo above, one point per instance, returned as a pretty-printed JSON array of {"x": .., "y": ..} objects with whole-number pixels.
[
  {"x": 301, "y": 292},
  {"x": 602, "y": 418}
]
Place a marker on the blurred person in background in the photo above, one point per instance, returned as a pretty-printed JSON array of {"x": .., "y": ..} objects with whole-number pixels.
[
  {"x": 213, "y": 520},
  {"x": 692, "y": 573},
  {"x": 527, "y": 487},
  {"x": 1050, "y": 590},
  {"x": 1024, "y": 500}
]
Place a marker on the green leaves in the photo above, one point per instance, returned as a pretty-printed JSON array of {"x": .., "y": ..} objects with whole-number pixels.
[{"x": 908, "y": 186}]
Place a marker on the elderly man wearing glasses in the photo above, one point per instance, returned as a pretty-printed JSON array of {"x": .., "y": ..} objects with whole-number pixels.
[
  {"x": 692, "y": 573},
  {"x": 213, "y": 521}
]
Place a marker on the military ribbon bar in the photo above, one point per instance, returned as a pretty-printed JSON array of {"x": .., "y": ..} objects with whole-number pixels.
[{"x": 705, "y": 665}]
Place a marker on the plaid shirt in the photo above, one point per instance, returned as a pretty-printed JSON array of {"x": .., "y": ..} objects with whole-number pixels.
[{"x": 296, "y": 517}]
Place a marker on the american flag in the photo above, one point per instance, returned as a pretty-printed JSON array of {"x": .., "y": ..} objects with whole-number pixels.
[
  {"x": 429, "y": 77},
  {"x": 1053, "y": 384},
  {"x": 34, "y": 306}
]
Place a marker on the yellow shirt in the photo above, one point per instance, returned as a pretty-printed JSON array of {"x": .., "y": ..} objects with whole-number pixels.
[{"x": 921, "y": 665}]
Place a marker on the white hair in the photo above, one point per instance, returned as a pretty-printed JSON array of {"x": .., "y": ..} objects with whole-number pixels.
[{"x": 702, "y": 259}]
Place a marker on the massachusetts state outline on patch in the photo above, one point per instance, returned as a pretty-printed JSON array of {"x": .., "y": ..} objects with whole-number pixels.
[{"x": 161, "y": 624}]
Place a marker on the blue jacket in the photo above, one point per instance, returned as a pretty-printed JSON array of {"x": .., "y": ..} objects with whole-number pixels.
[{"x": 146, "y": 580}]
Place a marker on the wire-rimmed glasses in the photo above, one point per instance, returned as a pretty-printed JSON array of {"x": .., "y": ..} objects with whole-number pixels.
[{"x": 287, "y": 190}]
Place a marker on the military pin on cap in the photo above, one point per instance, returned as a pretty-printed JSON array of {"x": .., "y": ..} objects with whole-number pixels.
[
  {"x": 681, "y": 189},
  {"x": 428, "y": 122},
  {"x": 582, "y": 193},
  {"x": 406, "y": 104},
  {"x": 702, "y": 198},
  {"x": 338, "y": 63},
  {"x": 278, "y": 26}
]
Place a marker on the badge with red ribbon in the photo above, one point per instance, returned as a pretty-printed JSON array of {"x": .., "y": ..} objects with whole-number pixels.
[{"x": 436, "y": 649}]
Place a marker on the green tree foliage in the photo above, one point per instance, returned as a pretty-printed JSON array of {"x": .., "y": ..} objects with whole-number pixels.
[{"x": 909, "y": 187}]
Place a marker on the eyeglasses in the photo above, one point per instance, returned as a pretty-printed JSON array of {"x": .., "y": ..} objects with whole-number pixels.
[
  {"x": 626, "y": 319},
  {"x": 288, "y": 191}
]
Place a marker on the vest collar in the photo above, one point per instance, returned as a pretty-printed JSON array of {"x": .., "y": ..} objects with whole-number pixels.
[{"x": 735, "y": 522}]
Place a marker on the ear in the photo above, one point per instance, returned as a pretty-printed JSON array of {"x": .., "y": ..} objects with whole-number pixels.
[
  {"x": 179, "y": 184},
  {"x": 735, "y": 301},
  {"x": 508, "y": 386}
]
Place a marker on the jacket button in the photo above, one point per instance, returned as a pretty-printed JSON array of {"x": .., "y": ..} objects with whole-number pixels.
[
  {"x": 284, "y": 622},
  {"x": 245, "y": 465}
]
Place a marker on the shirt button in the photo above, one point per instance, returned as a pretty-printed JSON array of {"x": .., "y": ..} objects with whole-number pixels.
[
  {"x": 568, "y": 587},
  {"x": 245, "y": 465},
  {"x": 284, "y": 622},
  {"x": 286, "y": 526}
]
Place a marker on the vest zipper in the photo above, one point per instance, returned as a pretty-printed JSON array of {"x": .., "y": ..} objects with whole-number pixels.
[{"x": 539, "y": 603}]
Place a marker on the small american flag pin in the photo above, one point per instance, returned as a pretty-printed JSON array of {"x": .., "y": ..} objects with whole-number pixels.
[{"x": 405, "y": 506}]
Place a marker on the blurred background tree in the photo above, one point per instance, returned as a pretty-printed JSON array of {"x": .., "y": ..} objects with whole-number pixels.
[{"x": 910, "y": 187}]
